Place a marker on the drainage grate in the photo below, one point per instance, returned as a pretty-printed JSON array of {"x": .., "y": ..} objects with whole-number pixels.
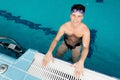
[
  {"x": 61, "y": 70},
  {"x": 54, "y": 71}
]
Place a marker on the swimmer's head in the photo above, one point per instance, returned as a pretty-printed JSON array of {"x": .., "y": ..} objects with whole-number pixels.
[{"x": 78, "y": 7}]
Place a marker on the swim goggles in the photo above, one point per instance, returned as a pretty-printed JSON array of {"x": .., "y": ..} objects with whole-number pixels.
[{"x": 75, "y": 10}]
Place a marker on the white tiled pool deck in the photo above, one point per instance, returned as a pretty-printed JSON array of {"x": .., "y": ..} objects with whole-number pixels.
[{"x": 18, "y": 68}]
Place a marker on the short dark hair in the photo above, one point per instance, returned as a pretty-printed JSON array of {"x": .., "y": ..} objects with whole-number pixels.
[{"x": 78, "y": 7}]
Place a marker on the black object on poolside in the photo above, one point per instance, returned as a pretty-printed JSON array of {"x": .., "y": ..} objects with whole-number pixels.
[{"x": 11, "y": 47}]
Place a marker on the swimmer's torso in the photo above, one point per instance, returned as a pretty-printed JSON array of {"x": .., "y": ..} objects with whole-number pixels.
[{"x": 73, "y": 35}]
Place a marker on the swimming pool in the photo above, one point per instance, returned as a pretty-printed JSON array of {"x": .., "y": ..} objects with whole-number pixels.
[{"x": 101, "y": 16}]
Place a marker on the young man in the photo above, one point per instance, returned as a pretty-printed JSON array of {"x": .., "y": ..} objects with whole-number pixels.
[{"x": 76, "y": 34}]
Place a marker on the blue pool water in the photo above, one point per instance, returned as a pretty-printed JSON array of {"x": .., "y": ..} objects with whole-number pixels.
[{"x": 101, "y": 16}]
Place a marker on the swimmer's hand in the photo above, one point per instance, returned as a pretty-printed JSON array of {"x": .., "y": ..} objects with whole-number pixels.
[
  {"x": 47, "y": 58},
  {"x": 79, "y": 69}
]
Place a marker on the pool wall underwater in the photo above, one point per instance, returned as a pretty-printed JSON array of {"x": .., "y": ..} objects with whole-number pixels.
[{"x": 42, "y": 15}]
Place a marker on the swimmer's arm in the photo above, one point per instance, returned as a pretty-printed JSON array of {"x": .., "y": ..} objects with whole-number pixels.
[
  {"x": 56, "y": 39},
  {"x": 86, "y": 41}
]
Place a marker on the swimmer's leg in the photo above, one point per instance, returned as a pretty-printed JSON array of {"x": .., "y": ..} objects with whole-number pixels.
[
  {"x": 76, "y": 53},
  {"x": 61, "y": 50}
]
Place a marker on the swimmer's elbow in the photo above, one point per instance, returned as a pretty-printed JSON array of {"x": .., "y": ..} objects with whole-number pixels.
[{"x": 86, "y": 47}]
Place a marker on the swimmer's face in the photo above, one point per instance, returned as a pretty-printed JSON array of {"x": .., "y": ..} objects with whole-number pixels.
[{"x": 76, "y": 17}]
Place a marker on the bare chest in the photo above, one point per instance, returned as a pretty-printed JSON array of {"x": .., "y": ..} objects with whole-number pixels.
[{"x": 76, "y": 32}]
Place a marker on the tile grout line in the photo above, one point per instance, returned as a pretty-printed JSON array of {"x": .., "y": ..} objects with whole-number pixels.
[
  {"x": 25, "y": 76},
  {"x": 3, "y": 76},
  {"x": 26, "y": 60},
  {"x": 5, "y": 59}
]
